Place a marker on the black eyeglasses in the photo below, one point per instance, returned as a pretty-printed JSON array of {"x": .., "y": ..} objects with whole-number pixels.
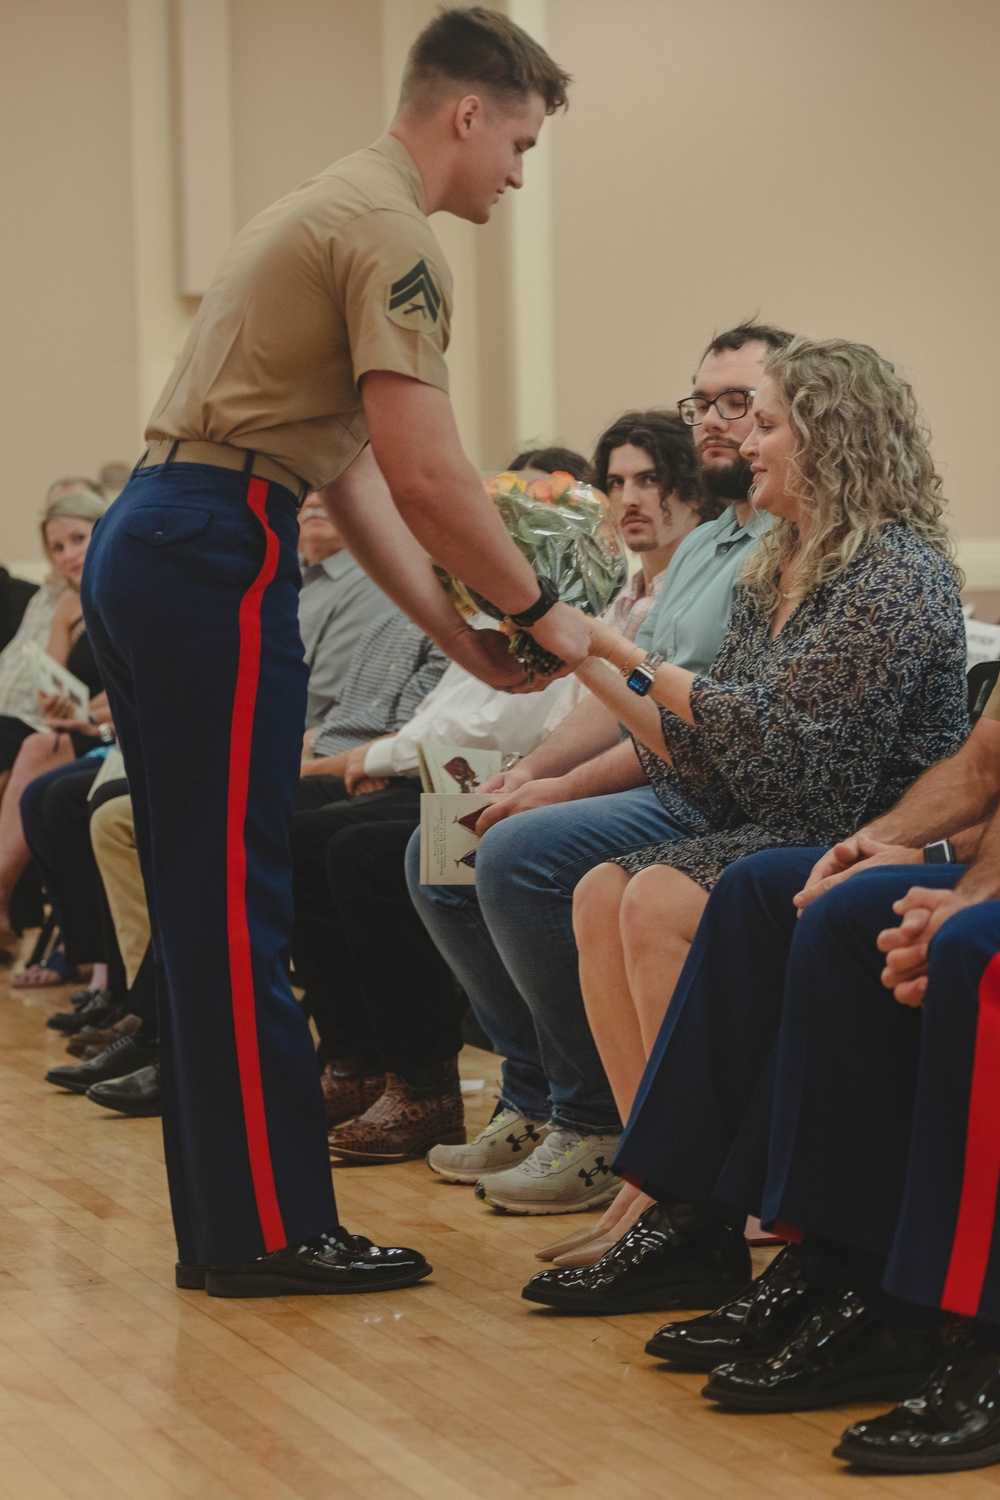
[{"x": 729, "y": 405}]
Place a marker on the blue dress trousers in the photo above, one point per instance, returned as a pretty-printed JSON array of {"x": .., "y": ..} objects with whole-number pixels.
[
  {"x": 788, "y": 1082},
  {"x": 190, "y": 595}
]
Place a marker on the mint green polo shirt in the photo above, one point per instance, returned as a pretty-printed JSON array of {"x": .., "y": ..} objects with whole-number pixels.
[{"x": 691, "y": 614}]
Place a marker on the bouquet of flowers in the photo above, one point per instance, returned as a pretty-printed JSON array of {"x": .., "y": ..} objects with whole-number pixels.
[{"x": 566, "y": 532}]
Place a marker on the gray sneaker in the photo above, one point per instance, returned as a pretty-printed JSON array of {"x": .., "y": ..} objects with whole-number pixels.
[
  {"x": 507, "y": 1140},
  {"x": 566, "y": 1174}
]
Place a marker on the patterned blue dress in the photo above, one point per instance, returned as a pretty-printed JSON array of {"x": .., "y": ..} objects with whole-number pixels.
[{"x": 802, "y": 739}]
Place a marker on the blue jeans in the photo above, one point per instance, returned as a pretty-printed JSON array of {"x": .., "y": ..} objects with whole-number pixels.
[{"x": 509, "y": 940}]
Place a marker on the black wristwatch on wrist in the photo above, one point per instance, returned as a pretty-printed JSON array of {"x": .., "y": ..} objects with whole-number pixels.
[
  {"x": 941, "y": 852},
  {"x": 549, "y": 595}
]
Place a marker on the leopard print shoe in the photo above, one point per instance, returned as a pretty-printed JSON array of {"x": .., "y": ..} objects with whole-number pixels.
[
  {"x": 404, "y": 1123},
  {"x": 346, "y": 1095}
]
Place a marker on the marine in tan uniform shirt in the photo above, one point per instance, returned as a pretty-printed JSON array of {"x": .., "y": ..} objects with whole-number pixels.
[
  {"x": 191, "y": 594},
  {"x": 342, "y": 276},
  {"x": 194, "y": 588}
]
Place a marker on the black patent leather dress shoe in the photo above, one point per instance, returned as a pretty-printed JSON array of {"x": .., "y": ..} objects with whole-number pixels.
[
  {"x": 844, "y": 1351},
  {"x": 189, "y": 1276},
  {"x": 329, "y": 1264},
  {"x": 952, "y": 1423},
  {"x": 673, "y": 1256},
  {"x": 81, "y": 997},
  {"x": 123, "y": 1056},
  {"x": 759, "y": 1321},
  {"x": 100, "y": 1010},
  {"x": 137, "y": 1093}
]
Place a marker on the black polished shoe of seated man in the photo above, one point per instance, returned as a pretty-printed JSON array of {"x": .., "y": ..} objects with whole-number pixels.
[
  {"x": 100, "y": 1010},
  {"x": 673, "y": 1256},
  {"x": 846, "y": 1350},
  {"x": 759, "y": 1321},
  {"x": 123, "y": 1056},
  {"x": 329, "y": 1264},
  {"x": 84, "y": 996},
  {"x": 952, "y": 1423},
  {"x": 137, "y": 1093}
]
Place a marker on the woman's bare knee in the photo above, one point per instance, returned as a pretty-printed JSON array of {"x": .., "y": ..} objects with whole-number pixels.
[
  {"x": 598, "y": 896},
  {"x": 659, "y": 906}
]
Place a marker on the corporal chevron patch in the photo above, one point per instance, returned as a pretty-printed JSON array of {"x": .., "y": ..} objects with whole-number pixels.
[{"x": 414, "y": 301}]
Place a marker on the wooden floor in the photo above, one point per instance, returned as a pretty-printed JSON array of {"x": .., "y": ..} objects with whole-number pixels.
[{"x": 114, "y": 1384}]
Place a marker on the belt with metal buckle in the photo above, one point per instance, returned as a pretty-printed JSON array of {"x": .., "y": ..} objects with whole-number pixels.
[{"x": 223, "y": 456}]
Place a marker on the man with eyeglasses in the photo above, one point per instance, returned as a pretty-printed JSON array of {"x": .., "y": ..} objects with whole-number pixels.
[{"x": 510, "y": 938}]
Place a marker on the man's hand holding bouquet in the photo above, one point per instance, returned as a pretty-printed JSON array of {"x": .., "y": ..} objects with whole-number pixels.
[{"x": 566, "y": 532}]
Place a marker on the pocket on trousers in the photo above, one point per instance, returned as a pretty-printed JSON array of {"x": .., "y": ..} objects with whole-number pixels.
[{"x": 159, "y": 525}]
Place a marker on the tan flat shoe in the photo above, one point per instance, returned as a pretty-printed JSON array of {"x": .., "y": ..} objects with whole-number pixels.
[
  {"x": 569, "y": 1242},
  {"x": 589, "y": 1254}
]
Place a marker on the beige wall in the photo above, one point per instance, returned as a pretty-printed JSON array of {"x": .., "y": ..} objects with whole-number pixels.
[
  {"x": 828, "y": 163},
  {"x": 67, "y": 316},
  {"x": 306, "y": 90}
]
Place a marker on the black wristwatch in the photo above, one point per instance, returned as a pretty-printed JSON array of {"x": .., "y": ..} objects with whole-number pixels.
[
  {"x": 549, "y": 595},
  {"x": 941, "y": 852}
]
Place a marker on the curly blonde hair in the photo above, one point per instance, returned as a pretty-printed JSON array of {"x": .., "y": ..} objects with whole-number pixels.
[{"x": 861, "y": 463}]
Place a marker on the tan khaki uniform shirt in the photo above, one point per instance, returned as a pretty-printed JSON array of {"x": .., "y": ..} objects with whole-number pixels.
[{"x": 342, "y": 276}]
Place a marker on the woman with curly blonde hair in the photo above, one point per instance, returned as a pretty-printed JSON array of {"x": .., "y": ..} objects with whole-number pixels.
[
  {"x": 841, "y": 679},
  {"x": 860, "y": 462}
]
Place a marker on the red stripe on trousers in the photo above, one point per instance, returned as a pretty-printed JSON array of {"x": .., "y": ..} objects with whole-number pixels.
[
  {"x": 970, "y": 1251},
  {"x": 240, "y": 967}
]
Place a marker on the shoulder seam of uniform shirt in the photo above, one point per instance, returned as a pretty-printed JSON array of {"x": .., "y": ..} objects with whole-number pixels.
[{"x": 383, "y": 208}]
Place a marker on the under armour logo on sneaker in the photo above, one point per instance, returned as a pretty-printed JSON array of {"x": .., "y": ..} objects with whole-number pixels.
[
  {"x": 599, "y": 1169},
  {"x": 515, "y": 1142},
  {"x": 416, "y": 293}
]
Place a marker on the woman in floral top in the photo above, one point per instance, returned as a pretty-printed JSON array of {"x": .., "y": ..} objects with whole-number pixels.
[{"x": 841, "y": 679}]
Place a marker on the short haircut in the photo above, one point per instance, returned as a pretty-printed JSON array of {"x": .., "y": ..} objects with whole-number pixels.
[
  {"x": 480, "y": 48},
  {"x": 553, "y": 460},
  {"x": 670, "y": 445},
  {"x": 749, "y": 332}
]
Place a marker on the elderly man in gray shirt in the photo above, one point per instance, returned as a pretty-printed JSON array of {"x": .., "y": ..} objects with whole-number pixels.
[
  {"x": 338, "y": 601},
  {"x": 510, "y": 938}
]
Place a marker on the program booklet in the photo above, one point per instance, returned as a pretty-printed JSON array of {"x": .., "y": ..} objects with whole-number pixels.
[
  {"x": 51, "y": 677},
  {"x": 451, "y": 768},
  {"x": 447, "y": 837}
]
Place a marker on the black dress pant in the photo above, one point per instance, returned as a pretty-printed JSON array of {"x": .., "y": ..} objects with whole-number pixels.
[
  {"x": 13, "y": 733},
  {"x": 376, "y": 985},
  {"x": 56, "y": 812}
]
